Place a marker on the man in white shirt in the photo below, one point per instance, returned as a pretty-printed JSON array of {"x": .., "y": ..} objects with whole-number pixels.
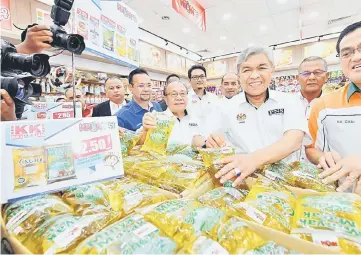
[
  {"x": 185, "y": 127},
  {"x": 312, "y": 75},
  {"x": 265, "y": 126},
  {"x": 230, "y": 85},
  {"x": 114, "y": 90},
  {"x": 201, "y": 104}
]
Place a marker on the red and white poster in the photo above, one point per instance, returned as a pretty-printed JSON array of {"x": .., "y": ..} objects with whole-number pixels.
[
  {"x": 191, "y": 10},
  {"x": 5, "y": 17}
]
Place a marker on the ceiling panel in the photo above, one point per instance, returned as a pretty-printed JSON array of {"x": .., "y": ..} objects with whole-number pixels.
[{"x": 242, "y": 25}]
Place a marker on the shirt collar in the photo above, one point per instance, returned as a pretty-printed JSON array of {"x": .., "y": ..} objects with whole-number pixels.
[
  {"x": 267, "y": 97},
  {"x": 352, "y": 89},
  {"x": 137, "y": 108},
  {"x": 192, "y": 93},
  {"x": 169, "y": 113}
]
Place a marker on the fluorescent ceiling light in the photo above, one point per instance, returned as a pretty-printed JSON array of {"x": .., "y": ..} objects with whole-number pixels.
[
  {"x": 227, "y": 16},
  {"x": 223, "y": 38},
  {"x": 263, "y": 28},
  {"x": 186, "y": 30},
  {"x": 282, "y": 1},
  {"x": 313, "y": 15}
]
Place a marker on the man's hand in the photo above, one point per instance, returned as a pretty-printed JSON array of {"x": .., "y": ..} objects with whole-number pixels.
[
  {"x": 328, "y": 160},
  {"x": 215, "y": 141},
  {"x": 240, "y": 166},
  {"x": 149, "y": 121},
  {"x": 7, "y": 106},
  {"x": 349, "y": 167},
  {"x": 37, "y": 39},
  {"x": 197, "y": 141}
]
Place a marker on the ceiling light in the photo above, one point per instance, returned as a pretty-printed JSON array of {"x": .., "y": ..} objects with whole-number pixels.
[
  {"x": 186, "y": 30},
  {"x": 263, "y": 27},
  {"x": 313, "y": 15},
  {"x": 250, "y": 44},
  {"x": 282, "y": 1},
  {"x": 227, "y": 16},
  {"x": 180, "y": 48},
  {"x": 166, "y": 42},
  {"x": 223, "y": 37},
  {"x": 187, "y": 52}
]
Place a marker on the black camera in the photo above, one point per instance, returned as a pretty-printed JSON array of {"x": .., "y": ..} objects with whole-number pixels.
[
  {"x": 60, "y": 13},
  {"x": 11, "y": 61}
]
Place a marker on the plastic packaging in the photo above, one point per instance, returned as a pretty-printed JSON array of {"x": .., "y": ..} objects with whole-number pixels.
[
  {"x": 22, "y": 216},
  {"x": 29, "y": 167},
  {"x": 305, "y": 175},
  {"x": 330, "y": 219},
  {"x": 62, "y": 233},
  {"x": 87, "y": 199},
  {"x": 157, "y": 139},
  {"x": 128, "y": 139},
  {"x": 210, "y": 155},
  {"x": 131, "y": 235}
]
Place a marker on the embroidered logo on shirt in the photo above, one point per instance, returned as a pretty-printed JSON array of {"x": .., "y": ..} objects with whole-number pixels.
[
  {"x": 193, "y": 124},
  {"x": 241, "y": 118},
  {"x": 276, "y": 112},
  {"x": 194, "y": 101}
]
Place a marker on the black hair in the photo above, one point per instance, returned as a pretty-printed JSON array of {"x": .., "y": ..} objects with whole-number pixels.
[
  {"x": 229, "y": 74},
  {"x": 170, "y": 76},
  {"x": 111, "y": 78},
  {"x": 60, "y": 98},
  {"x": 194, "y": 68},
  {"x": 135, "y": 72},
  {"x": 349, "y": 29}
]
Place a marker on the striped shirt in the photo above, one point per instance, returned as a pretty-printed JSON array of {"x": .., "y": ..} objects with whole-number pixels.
[{"x": 335, "y": 121}]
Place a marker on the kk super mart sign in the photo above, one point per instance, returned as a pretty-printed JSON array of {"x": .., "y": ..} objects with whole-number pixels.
[{"x": 191, "y": 10}]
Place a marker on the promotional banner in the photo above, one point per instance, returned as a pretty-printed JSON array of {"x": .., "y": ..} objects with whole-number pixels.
[
  {"x": 151, "y": 55},
  {"x": 43, "y": 17},
  {"x": 53, "y": 110},
  {"x": 175, "y": 63},
  {"x": 217, "y": 68},
  {"x": 50, "y": 155},
  {"x": 191, "y": 10},
  {"x": 325, "y": 50},
  {"x": 5, "y": 17},
  {"x": 283, "y": 57},
  {"x": 110, "y": 30}
]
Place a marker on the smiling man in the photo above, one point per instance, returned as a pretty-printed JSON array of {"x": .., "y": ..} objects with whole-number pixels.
[
  {"x": 130, "y": 116},
  {"x": 335, "y": 121},
  {"x": 265, "y": 126},
  {"x": 230, "y": 85}
]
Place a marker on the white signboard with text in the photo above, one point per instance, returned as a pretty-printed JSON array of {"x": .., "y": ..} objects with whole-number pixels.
[
  {"x": 50, "y": 155},
  {"x": 54, "y": 110}
]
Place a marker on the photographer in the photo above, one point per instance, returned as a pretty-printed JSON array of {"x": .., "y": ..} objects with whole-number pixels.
[
  {"x": 37, "y": 39},
  {"x": 33, "y": 43}
]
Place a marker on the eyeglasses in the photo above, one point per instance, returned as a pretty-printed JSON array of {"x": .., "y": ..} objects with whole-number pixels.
[
  {"x": 175, "y": 94},
  {"x": 196, "y": 78},
  {"x": 318, "y": 73},
  {"x": 349, "y": 52},
  {"x": 142, "y": 85}
]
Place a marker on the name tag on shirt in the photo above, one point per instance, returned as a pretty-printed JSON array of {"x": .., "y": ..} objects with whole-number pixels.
[
  {"x": 276, "y": 112},
  {"x": 193, "y": 124}
]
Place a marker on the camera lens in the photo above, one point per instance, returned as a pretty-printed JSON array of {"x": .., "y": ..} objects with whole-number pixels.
[{"x": 75, "y": 44}]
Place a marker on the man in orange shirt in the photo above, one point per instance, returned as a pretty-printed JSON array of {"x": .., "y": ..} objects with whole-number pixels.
[{"x": 335, "y": 121}]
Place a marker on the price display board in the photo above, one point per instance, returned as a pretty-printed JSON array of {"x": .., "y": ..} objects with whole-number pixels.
[
  {"x": 50, "y": 155},
  {"x": 53, "y": 110}
]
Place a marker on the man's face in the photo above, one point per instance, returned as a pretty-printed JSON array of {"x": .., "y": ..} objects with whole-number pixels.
[
  {"x": 230, "y": 85},
  {"x": 141, "y": 87},
  {"x": 78, "y": 96},
  {"x": 351, "y": 63},
  {"x": 176, "y": 97},
  {"x": 115, "y": 91},
  {"x": 312, "y": 76},
  {"x": 198, "y": 80},
  {"x": 255, "y": 74}
]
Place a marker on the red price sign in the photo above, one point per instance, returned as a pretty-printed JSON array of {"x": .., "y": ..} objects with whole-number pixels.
[
  {"x": 95, "y": 145},
  {"x": 63, "y": 115}
]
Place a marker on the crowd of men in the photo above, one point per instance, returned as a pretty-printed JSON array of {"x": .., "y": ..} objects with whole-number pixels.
[{"x": 264, "y": 125}]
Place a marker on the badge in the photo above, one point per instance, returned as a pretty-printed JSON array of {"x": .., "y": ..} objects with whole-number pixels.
[
  {"x": 194, "y": 101},
  {"x": 241, "y": 118},
  {"x": 276, "y": 112}
]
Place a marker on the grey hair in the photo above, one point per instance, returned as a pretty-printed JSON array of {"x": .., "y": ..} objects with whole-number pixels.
[
  {"x": 173, "y": 82},
  {"x": 254, "y": 50},
  {"x": 313, "y": 58}
]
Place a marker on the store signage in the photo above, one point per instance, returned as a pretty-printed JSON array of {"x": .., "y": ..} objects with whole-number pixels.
[
  {"x": 191, "y": 10},
  {"x": 5, "y": 17},
  {"x": 110, "y": 30},
  {"x": 42, "y": 156},
  {"x": 53, "y": 110}
]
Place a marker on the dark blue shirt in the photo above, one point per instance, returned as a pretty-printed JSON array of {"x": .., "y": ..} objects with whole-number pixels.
[{"x": 130, "y": 116}]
